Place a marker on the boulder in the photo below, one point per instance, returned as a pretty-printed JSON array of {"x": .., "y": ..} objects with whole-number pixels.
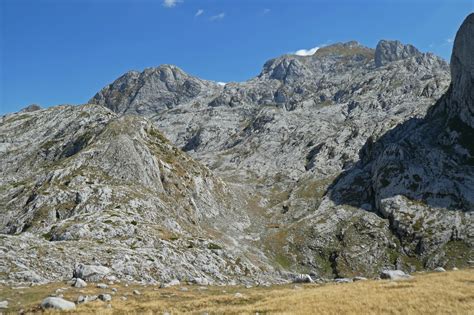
[
  {"x": 303, "y": 278},
  {"x": 200, "y": 281},
  {"x": 79, "y": 283},
  {"x": 87, "y": 298},
  {"x": 3, "y": 304},
  {"x": 105, "y": 297},
  {"x": 394, "y": 275},
  {"x": 57, "y": 303},
  {"x": 90, "y": 272},
  {"x": 439, "y": 269},
  {"x": 343, "y": 280}
]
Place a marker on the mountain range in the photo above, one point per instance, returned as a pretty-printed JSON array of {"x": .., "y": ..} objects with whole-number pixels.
[{"x": 339, "y": 164}]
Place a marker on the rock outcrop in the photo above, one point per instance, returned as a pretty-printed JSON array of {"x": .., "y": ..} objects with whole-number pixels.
[{"x": 389, "y": 51}]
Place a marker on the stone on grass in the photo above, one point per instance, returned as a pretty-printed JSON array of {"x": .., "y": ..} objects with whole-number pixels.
[
  {"x": 79, "y": 283},
  {"x": 105, "y": 297},
  {"x": 303, "y": 278},
  {"x": 343, "y": 280},
  {"x": 439, "y": 269},
  {"x": 3, "y": 304},
  {"x": 57, "y": 303},
  {"x": 394, "y": 275}
]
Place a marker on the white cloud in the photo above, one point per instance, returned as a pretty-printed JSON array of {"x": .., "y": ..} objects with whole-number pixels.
[
  {"x": 219, "y": 16},
  {"x": 450, "y": 40},
  {"x": 171, "y": 3},
  {"x": 306, "y": 52},
  {"x": 199, "y": 12},
  {"x": 266, "y": 11}
]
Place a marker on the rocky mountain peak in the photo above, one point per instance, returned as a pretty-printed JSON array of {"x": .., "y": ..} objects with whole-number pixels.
[
  {"x": 392, "y": 50},
  {"x": 31, "y": 108},
  {"x": 351, "y": 48},
  {"x": 462, "y": 73},
  {"x": 152, "y": 90}
]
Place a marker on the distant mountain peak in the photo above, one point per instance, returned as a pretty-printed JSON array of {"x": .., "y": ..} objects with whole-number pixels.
[{"x": 388, "y": 51}]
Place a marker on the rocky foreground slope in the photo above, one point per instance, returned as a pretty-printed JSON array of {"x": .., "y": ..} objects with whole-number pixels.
[
  {"x": 81, "y": 184},
  {"x": 335, "y": 164}
]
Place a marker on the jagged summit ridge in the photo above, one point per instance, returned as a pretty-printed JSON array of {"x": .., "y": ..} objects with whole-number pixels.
[{"x": 389, "y": 51}]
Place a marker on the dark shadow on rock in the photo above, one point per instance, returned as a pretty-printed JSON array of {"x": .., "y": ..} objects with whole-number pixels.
[{"x": 406, "y": 160}]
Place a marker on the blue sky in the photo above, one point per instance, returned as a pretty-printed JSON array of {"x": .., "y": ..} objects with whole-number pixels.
[{"x": 64, "y": 51}]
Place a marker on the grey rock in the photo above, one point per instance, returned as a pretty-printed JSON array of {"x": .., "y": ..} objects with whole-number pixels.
[
  {"x": 57, "y": 303},
  {"x": 3, "y": 304},
  {"x": 136, "y": 292},
  {"x": 302, "y": 278},
  {"x": 173, "y": 283},
  {"x": 200, "y": 281},
  {"x": 343, "y": 280},
  {"x": 28, "y": 276},
  {"x": 79, "y": 283},
  {"x": 439, "y": 269},
  {"x": 102, "y": 286},
  {"x": 394, "y": 275},
  {"x": 90, "y": 272},
  {"x": 86, "y": 298},
  {"x": 389, "y": 51},
  {"x": 359, "y": 278},
  {"x": 105, "y": 297},
  {"x": 462, "y": 74}
]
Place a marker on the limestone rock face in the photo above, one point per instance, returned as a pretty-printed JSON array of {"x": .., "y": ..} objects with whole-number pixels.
[
  {"x": 152, "y": 90},
  {"x": 462, "y": 73},
  {"x": 420, "y": 175},
  {"x": 389, "y": 51}
]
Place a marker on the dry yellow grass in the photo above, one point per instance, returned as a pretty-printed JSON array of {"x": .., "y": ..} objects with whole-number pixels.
[{"x": 433, "y": 293}]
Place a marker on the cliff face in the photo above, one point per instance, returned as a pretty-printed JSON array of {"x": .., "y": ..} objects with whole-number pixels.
[
  {"x": 462, "y": 73},
  {"x": 420, "y": 175}
]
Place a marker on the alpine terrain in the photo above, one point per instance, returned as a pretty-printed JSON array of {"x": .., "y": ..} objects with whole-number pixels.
[{"x": 344, "y": 163}]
